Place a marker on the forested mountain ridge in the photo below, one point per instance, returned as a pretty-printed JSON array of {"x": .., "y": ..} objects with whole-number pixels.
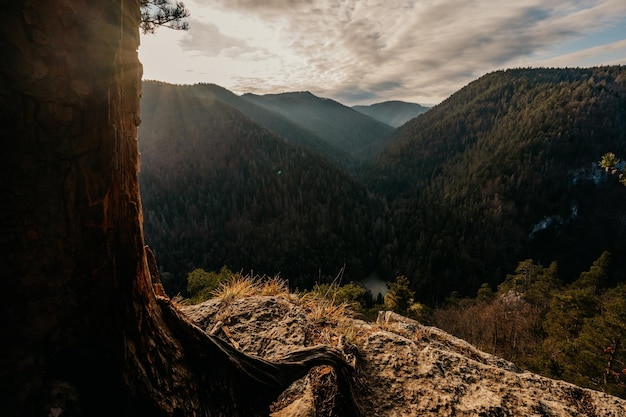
[
  {"x": 347, "y": 129},
  {"x": 394, "y": 113},
  {"x": 276, "y": 122},
  {"x": 503, "y": 170},
  {"x": 218, "y": 189}
]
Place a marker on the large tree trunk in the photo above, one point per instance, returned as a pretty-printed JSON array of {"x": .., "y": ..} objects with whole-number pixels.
[{"x": 83, "y": 331}]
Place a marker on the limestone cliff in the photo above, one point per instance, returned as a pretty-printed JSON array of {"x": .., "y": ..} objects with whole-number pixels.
[{"x": 403, "y": 367}]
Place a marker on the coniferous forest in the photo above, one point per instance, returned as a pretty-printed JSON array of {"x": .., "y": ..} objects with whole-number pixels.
[
  {"x": 220, "y": 190},
  {"x": 504, "y": 170},
  {"x": 488, "y": 215}
]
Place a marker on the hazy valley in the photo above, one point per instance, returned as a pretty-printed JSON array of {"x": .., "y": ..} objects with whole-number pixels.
[
  {"x": 502, "y": 171},
  {"x": 495, "y": 193}
]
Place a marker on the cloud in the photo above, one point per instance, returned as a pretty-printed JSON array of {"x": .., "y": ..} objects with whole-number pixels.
[
  {"x": 401, "y": 49},
  {"x": 206, "y": 39},
  {"x": 588, "y": 56}
]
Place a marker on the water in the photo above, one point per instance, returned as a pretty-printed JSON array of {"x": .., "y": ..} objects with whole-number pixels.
[{"x": 375, "y": 285}]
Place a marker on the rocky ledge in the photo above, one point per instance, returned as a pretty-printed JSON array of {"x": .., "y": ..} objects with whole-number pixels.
[{"x": 403, "y": 368}]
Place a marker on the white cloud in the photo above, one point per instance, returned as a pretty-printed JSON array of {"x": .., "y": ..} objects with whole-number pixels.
[
  {"x": 207, "y": 39},
  {"x": 613, "y": 53},
  {"x": 367, "y": 50}
]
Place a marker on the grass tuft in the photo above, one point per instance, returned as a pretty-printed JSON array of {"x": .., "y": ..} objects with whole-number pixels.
[
  {"x": 275, "y": 286},
  {"x": 238, "y": 286}
]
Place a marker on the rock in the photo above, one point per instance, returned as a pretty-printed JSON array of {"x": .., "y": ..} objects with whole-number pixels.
[
  {"x": 264, "y": 326},
  {"x": 403, "y": 367}
]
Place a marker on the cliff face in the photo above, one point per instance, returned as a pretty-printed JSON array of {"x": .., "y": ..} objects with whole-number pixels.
[{"x": 403, "y": 367}]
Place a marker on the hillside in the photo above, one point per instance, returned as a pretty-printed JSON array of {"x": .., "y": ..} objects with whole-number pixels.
[
  {"x": 218, "y": 189},
  {"x": 394, "y": 113},
  {"x": 342, "y": 127},
  {"x": 276, "y": 122},
  {"x": 504, "y": 170}
]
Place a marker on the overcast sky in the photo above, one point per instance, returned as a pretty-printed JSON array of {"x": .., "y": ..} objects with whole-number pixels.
[{"x": 367, "y": 51}]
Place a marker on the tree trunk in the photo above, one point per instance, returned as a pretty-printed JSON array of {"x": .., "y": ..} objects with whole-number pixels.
[{"x": 84, "y": 331}]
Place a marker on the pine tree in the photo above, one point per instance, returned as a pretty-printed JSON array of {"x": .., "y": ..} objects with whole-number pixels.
[
  {"x": 568, "y": 312},
  {"x": 598, "y": 355},
  {"x": 157, "y": 13}
]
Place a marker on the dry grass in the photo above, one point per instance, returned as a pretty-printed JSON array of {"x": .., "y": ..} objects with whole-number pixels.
[
  {"x": 330, "y": 320},
  {"x": 324, "y": 310},
  {"x": 275, "y": 286},
  {"x": 238, "y": 286}
]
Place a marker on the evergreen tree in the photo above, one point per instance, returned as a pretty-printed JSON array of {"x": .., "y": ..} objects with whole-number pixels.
[
  {"x": 401, "y": 299},
  {"x": 598, "y": 355},
  {"x": 201, "y": 284},
  {"x": 400, "y": 296},
  {"x": 545, "y": 284},
  {"x": 485, "y": 293},
  {"x": 597, "y": 276},
  {"x": 156, "y": 13},
  {"x": 612, "y": 164},
  {"x": 568, "y": 312}
]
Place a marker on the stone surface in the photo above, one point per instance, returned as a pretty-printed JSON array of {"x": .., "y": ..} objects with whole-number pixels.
[
  {"x": 404, "y": 368},
  {"x": 245, "y": 322}
]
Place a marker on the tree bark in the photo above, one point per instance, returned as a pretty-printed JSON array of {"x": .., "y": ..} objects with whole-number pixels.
[{"x": 84, "y": 331}]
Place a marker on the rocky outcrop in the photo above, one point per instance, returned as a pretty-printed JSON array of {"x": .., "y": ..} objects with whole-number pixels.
[{"x": 403, "y": 367}]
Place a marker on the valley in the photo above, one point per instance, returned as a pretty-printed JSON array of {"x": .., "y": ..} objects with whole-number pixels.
[{"x": 452, "y": 199}]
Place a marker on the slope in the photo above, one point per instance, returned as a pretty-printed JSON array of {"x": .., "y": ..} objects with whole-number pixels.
[
  {"x": 279, "y": 124},
  {"x": 217, "y": 189},
  {"x": 505, "y": 170},
  {"x": 405, "y": 368},
  {"x": 394, "y": 113},
  {"x": 342, "y": 127}
]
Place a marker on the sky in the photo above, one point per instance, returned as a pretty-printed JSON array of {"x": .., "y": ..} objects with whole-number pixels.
[{"x": 369, "y": 51}]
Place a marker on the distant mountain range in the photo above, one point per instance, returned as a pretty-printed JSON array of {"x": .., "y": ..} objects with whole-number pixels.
[
  {"x": 219, "y": 189},
  {"x": 290, "y": 130},
  {"x": 340, "y": 126},
  {"x": 504, "y": 170},
  {"x": 393, "y": 113}
]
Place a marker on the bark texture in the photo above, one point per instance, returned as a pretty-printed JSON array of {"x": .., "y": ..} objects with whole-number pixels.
[
  {"x": 71, "y": 220},
  {"x": 86, "y": 332}
]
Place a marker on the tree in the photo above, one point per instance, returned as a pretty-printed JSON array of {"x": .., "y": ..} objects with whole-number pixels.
[
  {"x": 598, "y": 356},
  {"x": 568, "y": 312},
  {"x": 400, "y": 299},
  {"x": 400, "y": 296},
  {"x": 88, "y": 333},
  {"x": 611, "y": 163},
  {"x": 201, "y": 284},
  {"x": 596, "y": 277},
  {"x": 156, "y": 13},
  {"x": 485, "y": 293}
]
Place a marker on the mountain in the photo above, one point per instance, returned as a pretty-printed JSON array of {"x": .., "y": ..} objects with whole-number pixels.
[
  {"x": 279, "y": 124},
  {"x": 342, "y": 127},
  {"x": 394, "y": 113},
  {"x": 505, "y": 170},
  {"x": 218, "y": 189}
]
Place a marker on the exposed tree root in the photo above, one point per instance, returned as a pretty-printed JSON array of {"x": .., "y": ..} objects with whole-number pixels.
[{"x": 255, "y": 383}]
